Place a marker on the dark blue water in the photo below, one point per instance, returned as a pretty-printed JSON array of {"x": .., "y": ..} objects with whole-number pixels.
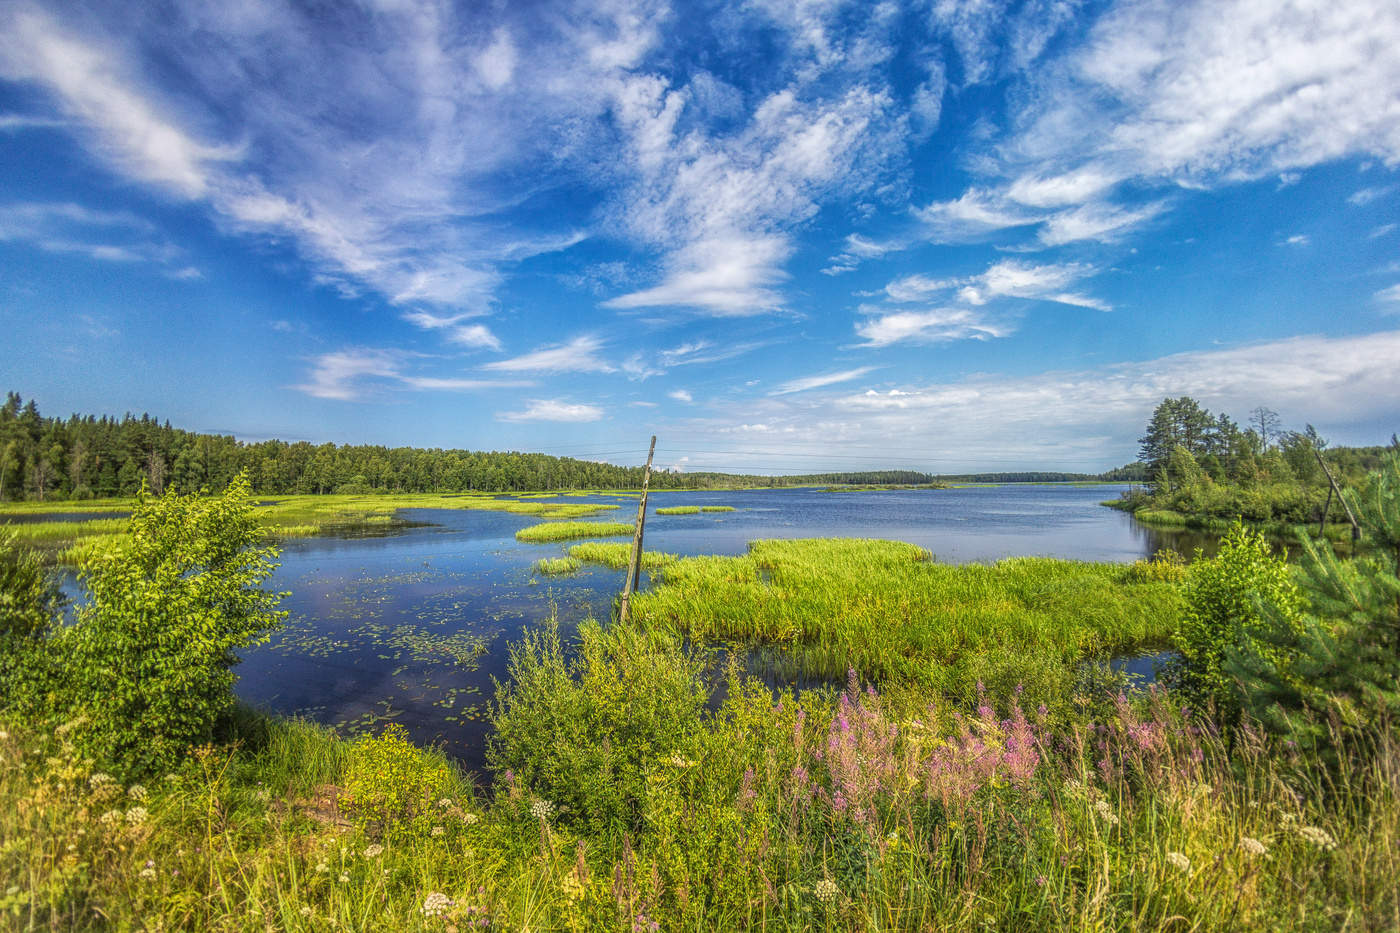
[{"x": 413, "y": 626}]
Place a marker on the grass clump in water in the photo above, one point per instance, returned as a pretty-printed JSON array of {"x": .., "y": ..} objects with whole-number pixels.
[
  {"x": 557, "y": 566},
  {"x": 679, "y": 510},
  {"x": 716, "y": 508},
  {"x": 563, "y": 531},
  {"x": 615, "y": 555},
  {"x": 887, "y": 611}
]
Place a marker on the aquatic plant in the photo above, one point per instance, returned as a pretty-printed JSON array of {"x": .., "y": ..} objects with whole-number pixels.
[
  {"x": 556, "y": 566},
  {"x": 563, "y": 531}
]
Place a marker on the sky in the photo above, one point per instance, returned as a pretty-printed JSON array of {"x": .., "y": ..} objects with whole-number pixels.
[{"x": 781, "y": 235}]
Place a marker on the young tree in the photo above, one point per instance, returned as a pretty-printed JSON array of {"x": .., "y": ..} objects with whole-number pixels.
[
  {"x": 147, "y": 664},
  {"x": 1339, "y": 668},
  {"x": 1266, "y": 423}
]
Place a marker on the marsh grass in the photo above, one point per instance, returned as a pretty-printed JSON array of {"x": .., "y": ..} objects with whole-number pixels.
[
  {"x": 888, "y": 611},
  {"x": 616, "y": 554},
  {"x": 563, "y": 531},
  {"x": 679, "y": 510},
  {"x": 716, "y": 508},
  {"x": 557, "y": 566}
]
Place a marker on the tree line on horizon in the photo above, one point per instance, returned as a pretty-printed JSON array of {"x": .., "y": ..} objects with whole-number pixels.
[{"x": 89, "y": 456}]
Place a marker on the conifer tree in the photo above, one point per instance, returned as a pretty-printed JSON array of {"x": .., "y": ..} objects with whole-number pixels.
[{"x": 1339, "y": 669}]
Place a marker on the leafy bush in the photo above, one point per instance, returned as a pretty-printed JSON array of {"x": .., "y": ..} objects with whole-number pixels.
[
  {"x": 394, "y": 787},
  {"x": 1166, "y": 566},
  {"x": 1226, "y": 596},
  {"x": 582, "y": 734},
  {"x": 147, "y": 665}
]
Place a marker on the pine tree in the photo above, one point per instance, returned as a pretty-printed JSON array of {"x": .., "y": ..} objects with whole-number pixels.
[{"x": 1340, "y": 669}]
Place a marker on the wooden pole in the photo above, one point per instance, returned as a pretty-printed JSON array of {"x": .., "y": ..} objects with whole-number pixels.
[
  {"x": 1355, "y": 528},
  {"x": 634, "y": 565},
  {"x": 1325, "y": 509}
]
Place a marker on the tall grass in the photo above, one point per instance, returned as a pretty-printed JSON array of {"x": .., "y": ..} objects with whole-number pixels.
[
  {"x": 563, "y": 531},
  {"x": 616, "y": 554},
  {"x": 886, "y": 610},
  {"x": 679, "y": 510},
  {"x": 870, "y": 811},
  {"x": 557, "y": 566}
]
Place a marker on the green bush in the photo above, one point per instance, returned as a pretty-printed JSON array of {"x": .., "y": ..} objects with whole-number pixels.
[
  {"x": 582, "y": 734},
  {"x": 30, "y": 603},
  {"x": 1226, "y": 596},
  {"x": 146, "y": 668},
  {"x": 393, "y": 788}
]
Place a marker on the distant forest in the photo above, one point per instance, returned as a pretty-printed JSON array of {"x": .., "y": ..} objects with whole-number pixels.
[{"x": 86, "y": 456}]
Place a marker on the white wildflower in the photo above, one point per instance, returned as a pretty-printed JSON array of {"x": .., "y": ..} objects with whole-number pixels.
[
  {"x": 1179, "y": 861},
  {"x": 1318, "y": 837},
  {"x": 4, "y": 735},
  {"x": 148, "y": 874},
  {"x": 136, "y": 792},
  {"x": 374, "y": 851},
  {"x": 344, "y": 878},
  {"x": 825, "y": 890},
  {"x": 1106, "y": 811},
  {"x": 436, "y": 904},
  {"x": 111, "y": 816},
  {"x": 100, "y": 780},
  {"x": 680, "y": 761},
  {"x": 322, "y": 868},
  {"x": 1253, "y": 846},
  {"x": 445, "y": 802},
  {"x": 136, "y": 816},
  {"x": 542, "y": 810},
  {"x": 469, "y": 818},
  {"x": 438, "y": 831}
]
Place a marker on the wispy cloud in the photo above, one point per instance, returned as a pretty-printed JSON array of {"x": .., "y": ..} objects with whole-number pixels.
[
  {"x": 580, "y": 355},
  {"x": 354, "y": 373},
  {"x": 1366, "y": 195},
  {"x": 1389, "y": 298},
  {"x": 816, "y": 382},
  {"x": 554, "y": 410},
  {"x": 104, "y": 236},
  {"x": 681, "y": 395},
  {"x": 1008, "y": 278},
  {"x": 931, "y": 326}
]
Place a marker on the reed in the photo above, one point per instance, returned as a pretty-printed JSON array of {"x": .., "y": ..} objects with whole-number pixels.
[
  {"x": 563, "y": 531},
  {"x": 557, "y": 566}
]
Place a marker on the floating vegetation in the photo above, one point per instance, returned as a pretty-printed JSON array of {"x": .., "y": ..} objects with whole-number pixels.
[
  {"x": 679, "y": 510},
  {"x": 615, "y": 555},
  {"x": 555, "y": 566},
  {"x": 563, "y": 531},
  {"x": 716, "y": 508}
]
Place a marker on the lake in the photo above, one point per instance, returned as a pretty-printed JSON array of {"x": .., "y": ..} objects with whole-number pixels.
[{"x": 412, "y": 624}]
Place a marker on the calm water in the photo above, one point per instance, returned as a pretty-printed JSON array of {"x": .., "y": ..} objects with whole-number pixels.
[{"x": 413, "y": 626}]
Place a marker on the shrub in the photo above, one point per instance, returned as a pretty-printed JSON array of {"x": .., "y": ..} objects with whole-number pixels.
[
  {"x": 1226, "y": 596},
  {"x": 582, "y": 734},
  {"x": 147, "y": 664},
  {"x": 394, "y": 787},
  {"x": 1166, "y": 566},
  {"x": 30, "y": 602}
]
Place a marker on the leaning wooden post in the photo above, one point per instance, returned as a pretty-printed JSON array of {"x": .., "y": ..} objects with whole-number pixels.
[
  {"x": 1355, "y": 527},
  {"x": 634, "y": 564}
]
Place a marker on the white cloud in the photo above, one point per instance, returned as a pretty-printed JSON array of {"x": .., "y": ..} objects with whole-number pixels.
[
  {"x": 935, "y": 325},
  {"x": 1381, "y": 231},
  {"x": 351, "y": 374},
  {"x": 14, "y": 122},
  {"x": 973, "y": 216},
  {"x": 104, "y": 236},
  {"x": 1390, "y": 296},
  {"x": 816, "y": 382},
  {"x": 496, "y": 64},
  {"x": 1367, "y": 195},
  {"x": 579, "y": 355},
  {"x": 1008, "y": 278},
  {"x": 554, "y": 410},
  {"x": 681, "y": 395},
  {"x": 1086, "y": 419},
  {"x": 1297, "y": 239},
  {"x": 1102, "y": 222}
]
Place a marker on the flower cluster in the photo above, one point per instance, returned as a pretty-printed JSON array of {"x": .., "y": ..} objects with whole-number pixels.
[
  {"x": 542, "y": 810},
  {"x": 436, "y": 904}
]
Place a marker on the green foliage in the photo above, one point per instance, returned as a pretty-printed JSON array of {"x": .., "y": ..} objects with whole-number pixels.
[
  {"x": 1226, "y": 596},
  {"x": 393, "y": 789},
  {"x": 30, "y": 604},
  {"x": 616, "y": 554},
  {"x": 1166, "y": 566},
  {"x": 1336, "y": 671},
  {"x": 583, "y": 734},
  {"x": 679, "y": 510},
  {"x": 146, "y": 668}
]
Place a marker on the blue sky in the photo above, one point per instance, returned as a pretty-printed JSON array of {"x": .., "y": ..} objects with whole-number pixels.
[{"x": 783, "y": 236}]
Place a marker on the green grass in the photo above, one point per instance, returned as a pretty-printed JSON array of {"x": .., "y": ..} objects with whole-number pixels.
[
  {"x": 615, "y": 555},
  {"x": 679, "y": 510},
  {"x": 716, "y": 508},
  {"x": 564, "y": 531},
  {"x": 887, "y": 611},
  {"x": 557, "y": 566}
]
